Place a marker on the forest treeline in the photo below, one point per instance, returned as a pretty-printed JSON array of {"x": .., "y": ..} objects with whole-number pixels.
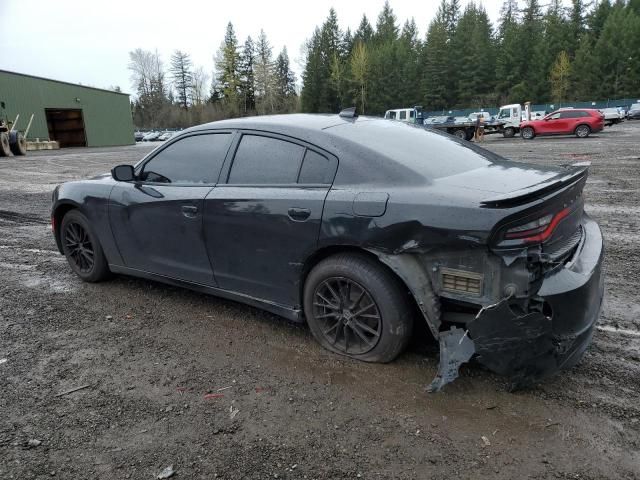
[
  {"x": 582, "y": 51},
  {"x": 246, "y": 80}
]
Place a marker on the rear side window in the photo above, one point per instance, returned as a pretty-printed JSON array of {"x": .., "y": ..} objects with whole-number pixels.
[
  {"x": 265, "y": 160},
  {"x": 316, "y": 169},
  {"x": 191, "y": 160},
  {"x": 403, "y": 115}
]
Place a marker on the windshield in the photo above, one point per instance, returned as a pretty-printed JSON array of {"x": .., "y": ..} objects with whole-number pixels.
[{"x": 431, "y": 154}]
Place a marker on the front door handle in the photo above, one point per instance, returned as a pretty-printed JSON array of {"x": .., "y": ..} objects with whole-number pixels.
[
  {"x": 189, "y": 211},
  {"x": 299, "y": 214}
]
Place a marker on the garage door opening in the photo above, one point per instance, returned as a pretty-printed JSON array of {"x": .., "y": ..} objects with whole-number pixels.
[{"x": 66, "y": 126}]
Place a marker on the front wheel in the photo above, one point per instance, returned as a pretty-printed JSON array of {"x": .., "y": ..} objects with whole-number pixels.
[
  {"x": 81, "y": 247},
  {"x": 18, "y": 143},
  {"x": 528, "y": 133},
  {"x": 583, "y": 131},
  {"x": 355, "y": 307},
  {"x": 5, "y": 148}
]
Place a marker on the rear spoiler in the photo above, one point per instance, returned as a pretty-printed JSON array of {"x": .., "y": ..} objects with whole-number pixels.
[{"x": 578, "y": 172}]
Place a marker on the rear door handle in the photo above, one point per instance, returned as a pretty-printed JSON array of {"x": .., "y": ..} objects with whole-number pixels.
[
  {"x": 299, "y": 214},
  {"x": 189, "y": 211}
]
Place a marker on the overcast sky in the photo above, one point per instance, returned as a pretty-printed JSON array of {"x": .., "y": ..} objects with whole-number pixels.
[{"x": 87, "y": 41}]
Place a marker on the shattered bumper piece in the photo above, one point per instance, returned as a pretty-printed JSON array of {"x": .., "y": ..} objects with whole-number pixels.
[{"x": 528, "y": 346}]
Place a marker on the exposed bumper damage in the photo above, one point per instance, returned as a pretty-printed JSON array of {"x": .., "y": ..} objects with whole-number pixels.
[{"x": 536, "y": 327}]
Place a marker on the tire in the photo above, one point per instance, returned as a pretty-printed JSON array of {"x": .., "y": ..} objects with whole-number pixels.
[
  {"x": 527, "y": 133},
  {"x": 509, "y": 132},
  {"x": 81, "y": 247},
  {"x": 582, "y": 131},
  {"x": 18, "y": 143},
  {"x": 349, "y": 275},
  {"x": 5, "y": 148},
  {"x": 460, "y": 133}
]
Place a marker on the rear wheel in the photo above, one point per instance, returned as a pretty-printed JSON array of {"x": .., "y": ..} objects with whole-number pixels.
[
  {"x": 18, "y": 144},
  {"x": 509, "y": 132},
  {"x": 528, "y": 133},
  {"x": 5, "y": 149},
  {"x": 583, "y": 131},
  {"x": 355, "y": 307},
  {"x": 460, "y": 133},
  {"x": 82, "y": 248}
]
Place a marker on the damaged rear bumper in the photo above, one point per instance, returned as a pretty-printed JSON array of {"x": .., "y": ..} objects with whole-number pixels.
[{"x": 527, "y": 345}]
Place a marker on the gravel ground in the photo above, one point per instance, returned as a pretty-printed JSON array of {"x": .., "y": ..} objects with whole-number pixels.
[{"x": 216, "y": 389}]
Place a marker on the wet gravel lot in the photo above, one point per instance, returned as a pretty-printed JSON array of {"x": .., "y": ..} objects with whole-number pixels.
[{"x": 220, "y": 390}]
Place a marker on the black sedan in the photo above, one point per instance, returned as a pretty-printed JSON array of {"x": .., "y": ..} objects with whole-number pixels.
[{"x": 361, "y": 227}]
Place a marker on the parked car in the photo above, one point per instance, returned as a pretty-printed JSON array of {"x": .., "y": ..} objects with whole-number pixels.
[
  {"x": 165, "y": 136},
  {"x": 485, "y": 115},
  {"x": 580, "y": 122},
  {"x": 361, "y": 227},
  {"x": 611, "y": 116},
  {"x": 634, "y": 112},
  {"x": 138, "y": 136},
  {"x": 151, "y": 136},
  {"x": 439, "y": 119}
]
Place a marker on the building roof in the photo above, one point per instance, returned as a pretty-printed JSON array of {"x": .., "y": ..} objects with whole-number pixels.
[{"x": 66, "y": 83}]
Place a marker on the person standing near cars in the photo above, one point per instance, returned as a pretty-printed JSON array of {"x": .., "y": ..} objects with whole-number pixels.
[{"x": 479, "y": 133}]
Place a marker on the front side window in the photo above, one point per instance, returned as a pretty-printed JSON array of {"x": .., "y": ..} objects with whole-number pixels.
[
  {"x": 263, "y": 160},
  {"x": 191, "y": 160},
  {"x": 554, "y": 116}
]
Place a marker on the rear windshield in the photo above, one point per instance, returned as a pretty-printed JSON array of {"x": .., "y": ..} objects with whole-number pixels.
[{"x": 428, "y": 153}]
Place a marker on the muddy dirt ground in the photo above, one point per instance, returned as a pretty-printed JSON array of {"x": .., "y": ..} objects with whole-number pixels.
[{"x": 281, "y": 406}]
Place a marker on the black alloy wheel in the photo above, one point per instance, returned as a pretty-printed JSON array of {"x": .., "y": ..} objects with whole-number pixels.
[
  {"x": 348, "y": 315},
  {"x": 355, "y": 306},
  {"x": 79, "y": 247}
]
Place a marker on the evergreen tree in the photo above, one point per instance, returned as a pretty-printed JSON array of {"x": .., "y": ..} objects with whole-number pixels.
[
  {"x": 508, "y": 51},
  {"x": 285, "y": 83},
  {"x": 264, "y": 76},
  {"x": 227, "y": 65},
  {"x": 313, "y": 76},
  {"x": 435, "y": 59},
  {"x": 247, "y": 76},
  {"x": 182, "y": 75},
  {"x": 364, "y": 33}
]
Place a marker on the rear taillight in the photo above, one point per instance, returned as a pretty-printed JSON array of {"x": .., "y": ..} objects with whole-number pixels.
[
  {"x": 53, "y": 224},
  {"x": 537, "y": 230}
]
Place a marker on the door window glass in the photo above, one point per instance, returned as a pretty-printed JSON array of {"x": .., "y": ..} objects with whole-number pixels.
[
  {"x": 192, "y": 160},
  {"x": 265, "y": 160}
]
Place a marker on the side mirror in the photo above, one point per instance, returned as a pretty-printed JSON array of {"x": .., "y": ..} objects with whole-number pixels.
[{"x": 123, "y": 173}]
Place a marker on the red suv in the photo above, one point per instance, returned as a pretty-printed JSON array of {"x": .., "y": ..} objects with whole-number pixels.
[{"x": 579, "y": 122}]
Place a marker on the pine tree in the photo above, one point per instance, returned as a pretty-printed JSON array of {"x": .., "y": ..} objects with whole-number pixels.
[
  {"x": 435, "y": 62},
  {"x": 285, "y": 83},
  {"x": 182, "y": 75},
  {"x": 227, "y": 64},
  {"x": 246, "y": 72},
  {"x": 313, "y": 76},
  {"x": 364, "y": 33},
  {"x": 264, "y": 75}
]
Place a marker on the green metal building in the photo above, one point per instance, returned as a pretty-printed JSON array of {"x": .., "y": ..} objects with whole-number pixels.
[{"x": 73, "y": 115}]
